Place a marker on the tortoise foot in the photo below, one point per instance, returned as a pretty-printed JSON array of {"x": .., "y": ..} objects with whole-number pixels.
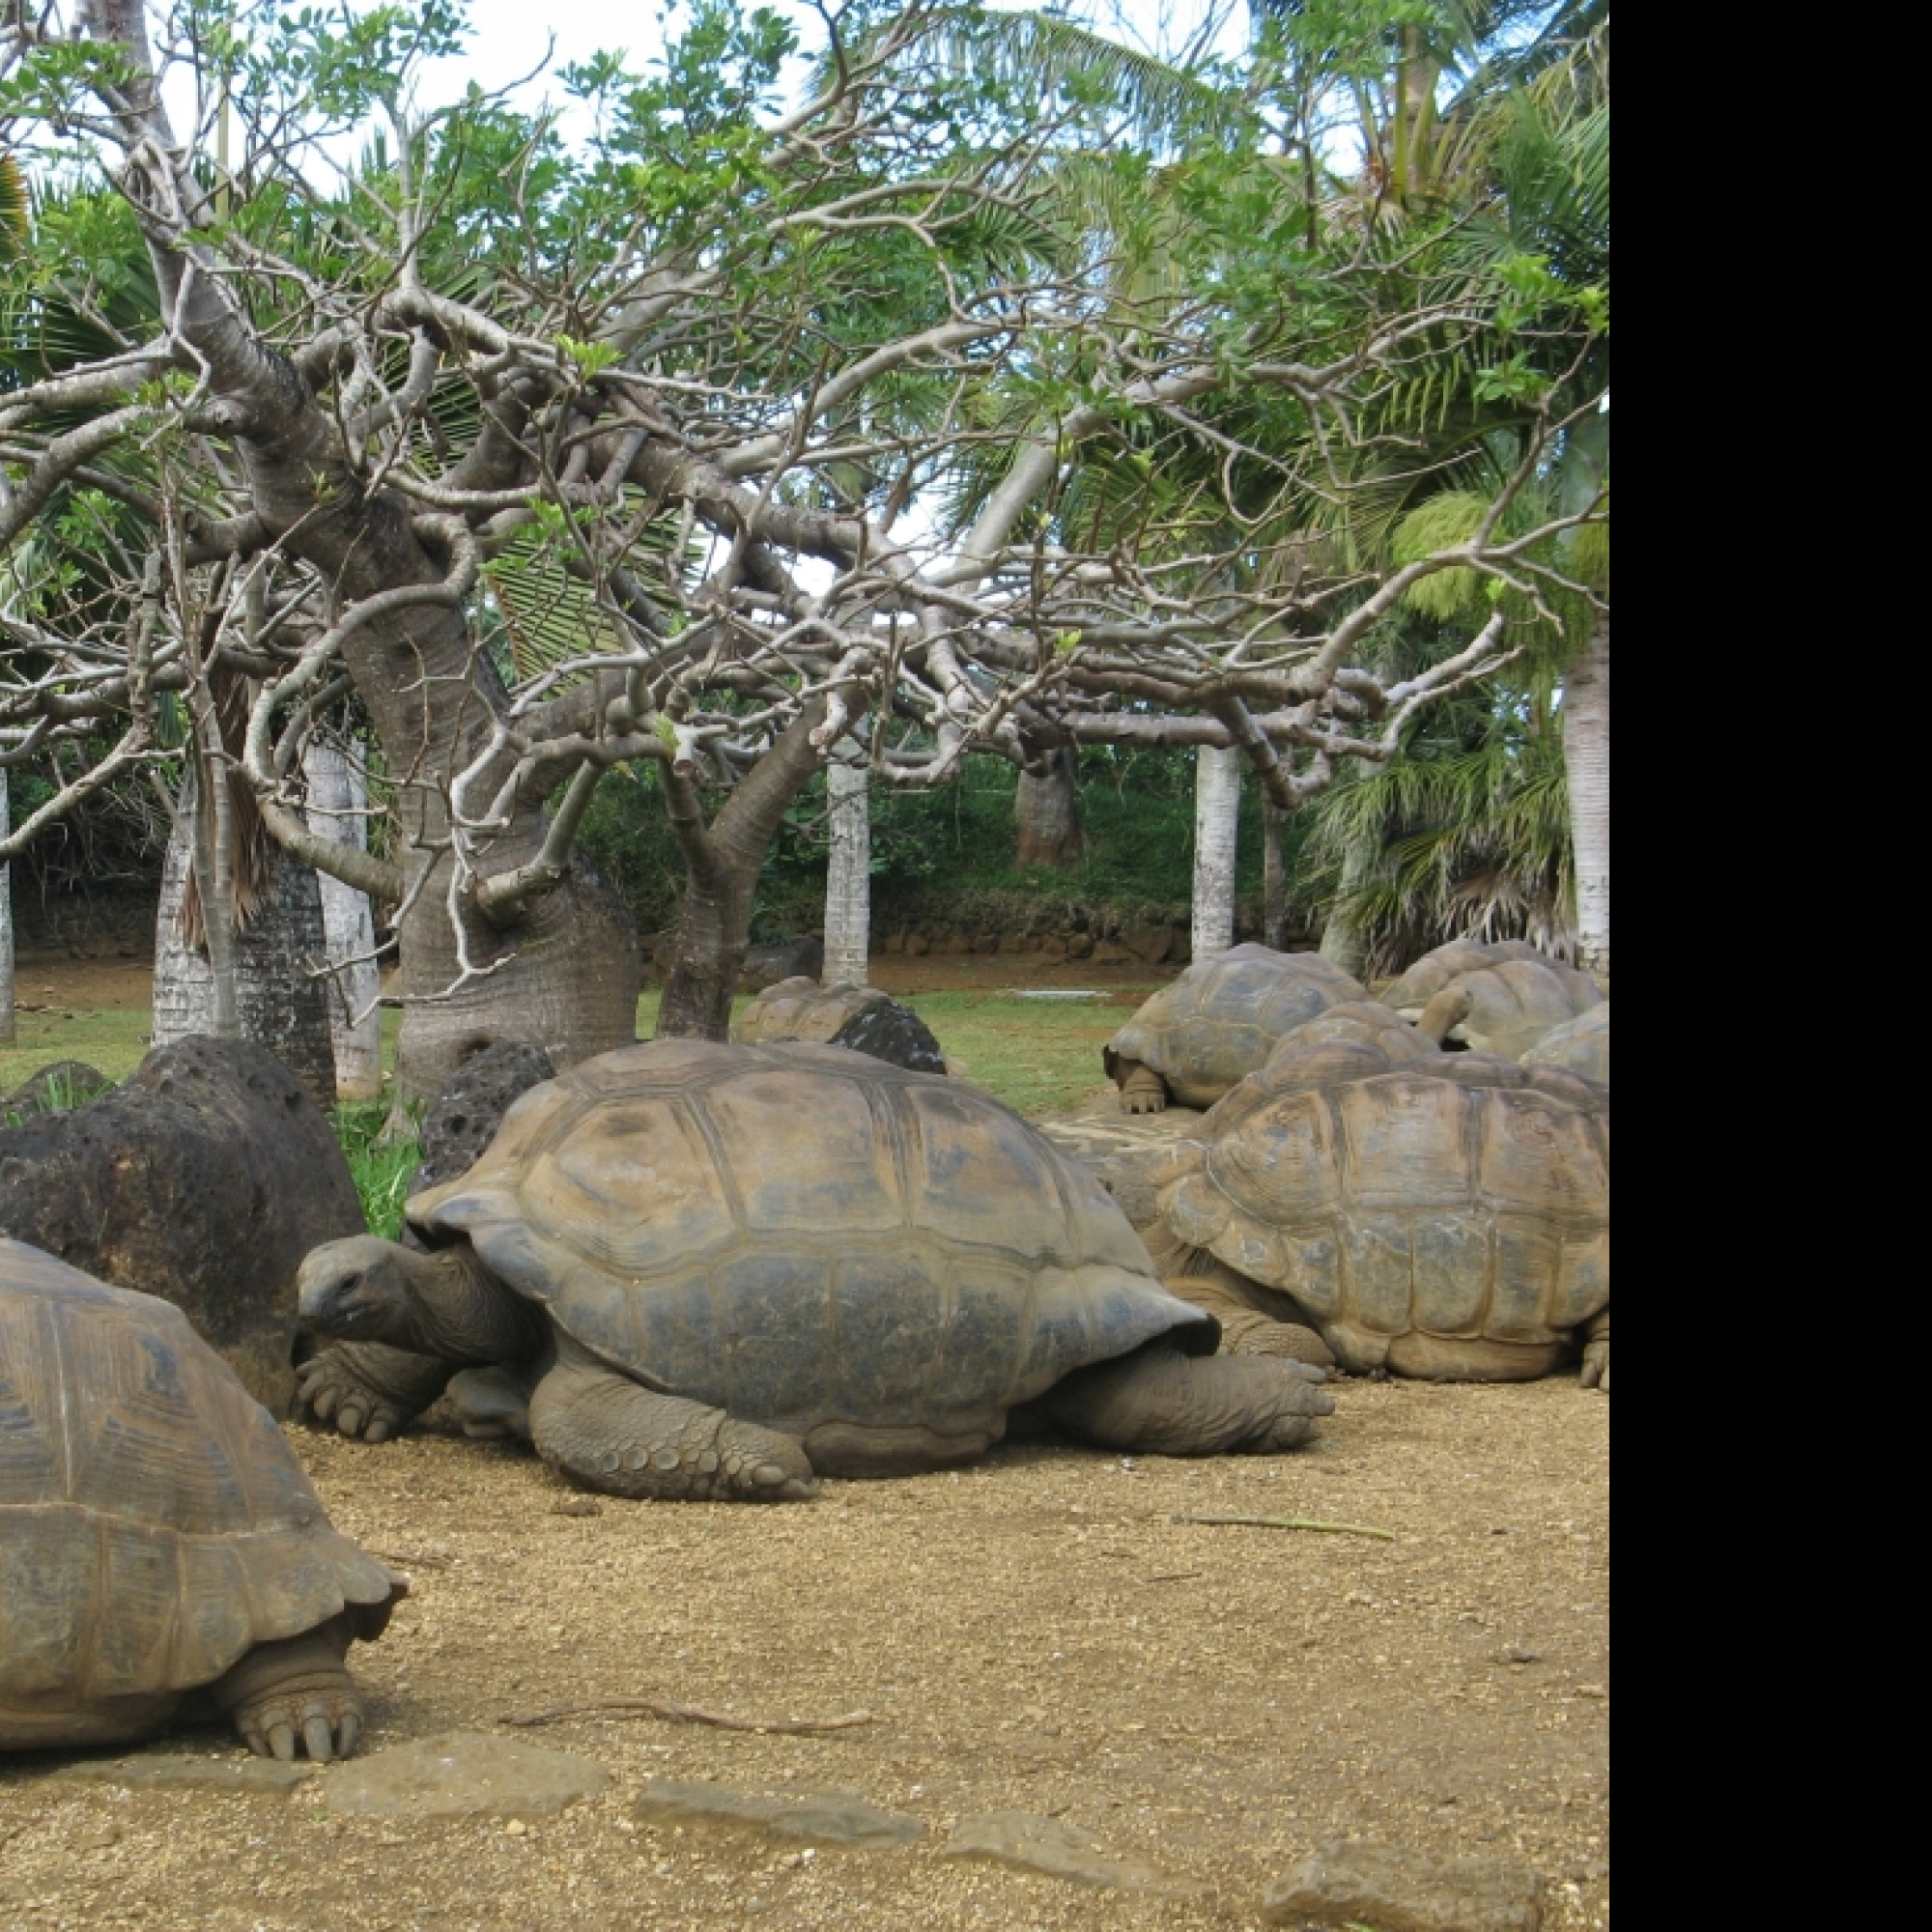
[
  {"x": 1597, "y": 1364},
  {"x": 1143, "y": 1091},
  {"x": 368, "y": 1389},
  {"x": 627, "y": 1440},
  {"x": 293, "y": 1697}
]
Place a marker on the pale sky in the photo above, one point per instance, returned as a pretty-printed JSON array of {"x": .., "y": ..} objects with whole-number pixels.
[{"x": 511, "y": 35}]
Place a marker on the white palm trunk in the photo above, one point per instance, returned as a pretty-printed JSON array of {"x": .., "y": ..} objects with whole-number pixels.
[
  {"x": 1217, "y": 804},
  {"x": 1586, "y": 758},
  {"x": 5, "y": 923},
  {"x": 848, "y": 877},
  {"x": 338, "y": 800}
]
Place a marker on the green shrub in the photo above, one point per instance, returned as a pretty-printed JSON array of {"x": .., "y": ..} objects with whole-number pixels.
[{"x": 379, "y": 1167}]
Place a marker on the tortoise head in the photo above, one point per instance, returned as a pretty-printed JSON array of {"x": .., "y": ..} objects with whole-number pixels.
[
  {"x": 359, "y": 1288},
  {"x": 444, "y": 1303}
]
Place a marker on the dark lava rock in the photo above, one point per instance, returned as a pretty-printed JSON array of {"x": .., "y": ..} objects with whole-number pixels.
[
  {"x": 893, "y": 1033},
  {"x": 204, "y": 1179},
  {"x": 465, "y": 1118}
]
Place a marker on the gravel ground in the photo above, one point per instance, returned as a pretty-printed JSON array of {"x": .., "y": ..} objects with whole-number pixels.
[{"x": 1037, "y": 1634}]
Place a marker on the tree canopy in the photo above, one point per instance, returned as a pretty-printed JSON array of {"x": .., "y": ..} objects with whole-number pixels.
[{"x": 1002, "y": 392}]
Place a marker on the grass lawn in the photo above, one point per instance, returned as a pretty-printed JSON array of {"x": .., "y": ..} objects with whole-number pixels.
[
  {"x": 1038, "y": 1056},
  {"x": 111, "y": 1039}
]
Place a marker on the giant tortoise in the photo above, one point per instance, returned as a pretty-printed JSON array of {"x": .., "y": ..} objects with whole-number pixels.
[
  {"x": 1446, "y": 1216},
  {"x": 1195, "y": 1039},
  {"x": 841, "y": 1014},
  {"x": 1503, "y": 1002},
  {"x": 158, "y": 1536},
  {"x": 732, "y": 1270}
]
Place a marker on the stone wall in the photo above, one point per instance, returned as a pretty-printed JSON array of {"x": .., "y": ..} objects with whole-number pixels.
[{"x": 84, "y": 926}]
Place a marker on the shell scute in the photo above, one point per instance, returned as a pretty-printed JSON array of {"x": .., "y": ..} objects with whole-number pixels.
[
  {"x": 820, "y": 1150},
  {"x": 1451, "y": 1254},
  {"x": 1407, "y": 1144},
  {"x": 1380, "y": 1272}
]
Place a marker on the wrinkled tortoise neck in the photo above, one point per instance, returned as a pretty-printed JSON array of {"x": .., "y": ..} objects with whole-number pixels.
[{"x": 460, "y": 1312}]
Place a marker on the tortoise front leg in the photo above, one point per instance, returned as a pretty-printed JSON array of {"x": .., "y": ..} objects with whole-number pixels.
[
  {"x": 296, "y": 1694},
  {"x": 1141, "y": 1089},
  {"x": 369, "y": 1388},
  {"x": 1597, "y": 1352},
  {"x": 617, "y": 1436},
  {"x": 1167, "y": 1404}
]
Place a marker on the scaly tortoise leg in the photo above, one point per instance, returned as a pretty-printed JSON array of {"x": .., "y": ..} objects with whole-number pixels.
[
  {"x": 1167, "y": 1404},
  {"x": 1204, "y": 1281},
  {"x": 1597, "y": 1352},
  {"x": 295, "y": 1693},
  {"x": 1141, "y": 1089},
  {"x": 617, "y": 1436},
  {"x": 369, "y": 1389}
]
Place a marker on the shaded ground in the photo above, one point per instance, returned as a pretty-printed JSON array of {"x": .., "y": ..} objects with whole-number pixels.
[{"x": 1035, "y": 1633}]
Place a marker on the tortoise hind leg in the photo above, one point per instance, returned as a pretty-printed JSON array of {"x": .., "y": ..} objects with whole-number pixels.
[
  {"x": 1141, "y": 1089},
  {"x": 295, "y": 1695},
  {"x": 1167, "y": 1404},
  {"x": 614, "y": 1435}
]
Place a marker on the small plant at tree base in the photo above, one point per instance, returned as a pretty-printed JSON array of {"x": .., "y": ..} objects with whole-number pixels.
[{"x": 379, "y": 1167}]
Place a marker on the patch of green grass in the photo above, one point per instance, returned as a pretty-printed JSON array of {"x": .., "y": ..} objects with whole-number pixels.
[
  {"x": 381, "y": 1169},
  {"x": 111, "y": 1039},
  {"x": 1038, "y": 1056}
]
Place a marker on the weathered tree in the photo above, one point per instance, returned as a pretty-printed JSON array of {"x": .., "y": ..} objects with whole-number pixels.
[
  {"x": 1218, "y": 812},
  {"x": 841, "y": 421},
  {"x": 849, "y": 869}
]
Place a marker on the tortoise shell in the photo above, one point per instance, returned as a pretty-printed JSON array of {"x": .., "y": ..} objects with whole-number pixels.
[
  {"x": 801, "y": 1008},
  {"x": 155, "y": 1524},
  {"x": 1513, "y": 1001},
  {"x": 1581, "y": 1044},
  {"x": 1219, "y": 1021},
  {"x": 801, "y": 1234},
  {"x": 1449, "y": 1216},
  {"x": 1435, "y": 969},
  {"x": 1363, "y": 1022}
]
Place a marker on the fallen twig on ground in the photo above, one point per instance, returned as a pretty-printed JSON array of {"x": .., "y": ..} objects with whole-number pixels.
[
  {"x": 1296, "y": 1523},
  {"x": 688, "y": 1713},
  {"x": 1170, "y": 1575}
]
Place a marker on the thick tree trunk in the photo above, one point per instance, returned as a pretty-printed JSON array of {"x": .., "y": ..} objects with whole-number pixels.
[
  {"x": 1274, "y": 880},
  {"x": 1586, "y": 758},
  {"x": 337, "y": 809},
  {"x": 1217, "y": 804},
  {"x": 722, "y": 879},
  {"x": 278, "y": 1004},
  {"x": 848, "y": 873},
  {"x": 560, "y": 969},
  {"x": 5, "y": 923},
  {"x": 1046, "y": 814}
]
